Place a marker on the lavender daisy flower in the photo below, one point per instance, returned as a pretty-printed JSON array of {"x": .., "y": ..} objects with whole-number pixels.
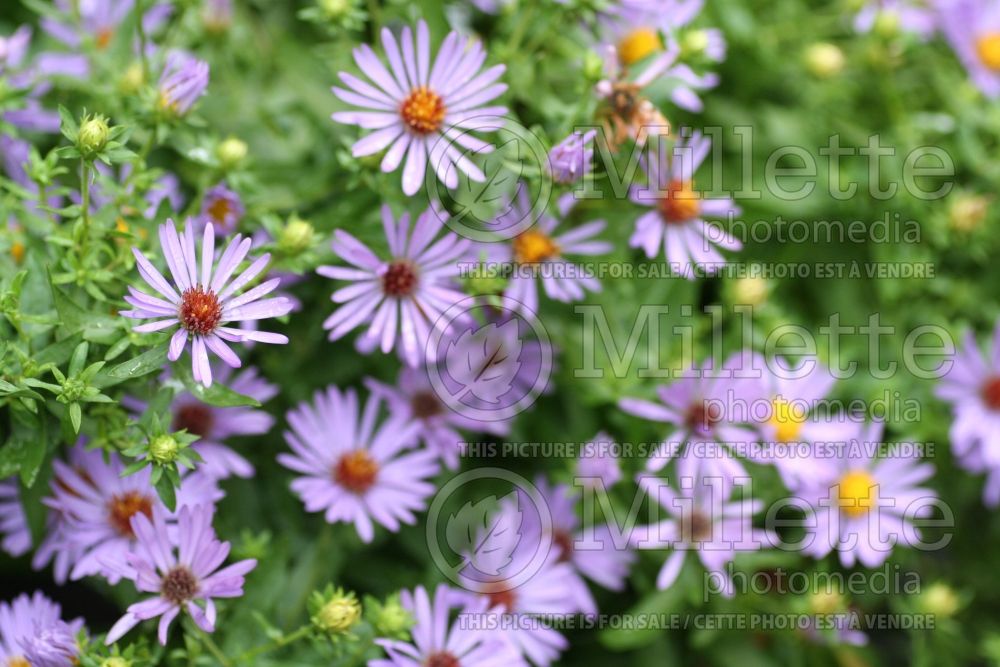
[
  {"x": 14, "y": 48},
  {"x": 414, "y": 399},
  {"x": 438, "y": 642},
  {"x": 223, "y": 208},
  {"x": 912, "y": 16},
  {"x": 862, "y": 505},
  {"x": 183, "y": 578},
  {"x": 166, "y": 188},
  {"x": 704, "y": 406},
  {"x": 406, "y": 294},
  {"x": 635, "y": 29},
  {"x": 355, "y": 470},
  {"x": 204, "y": 300},
  {"x": 183, "y": 81},
  {"x": 98, "y": 21},
  {"x": 32, "y": 632},
  {"x": 94, "y": 506},
  {"x": 538, "y": 252},
  {"x": 494, "y": 574},
  {"x": 570, "y": 159},
  {"x": 598, "y": 465},
  {"x": 972, "y": 27},
  {"x": 420, "y": 109},
  {"x": 13, "y": 522},
  {"x": 676, "y": 221},
  {"x": 702, "y": 520}
]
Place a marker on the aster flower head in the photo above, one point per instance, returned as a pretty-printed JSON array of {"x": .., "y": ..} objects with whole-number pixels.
[
  {"x": 598, "y": 464},
  {"x": 414, "y": 398},
  {"x": 570, "y": 159},
  {"x": 32, "y": 632},
  {"x": 203, "y": 299},
  {"x": 972, "y": 27},
  {"x": 187, "y": 578},
  {"x": 13, "y": 522},
  {"x": 354, "y": 469},
  {"x": 438, "y": 641},
  {"x": 890, "y": 16},
  {"x": 183, "y": 81},
  {"x": 539, "y": 254},
  {"x": 403, "y": 296},
  {"x": 93, "y": 506},
  {"x": 676, "y": 221},
  {"x": 421, "y": 108},
  {"x": 863, "y": 504},
  {"x": 700, "y": 518},
  {"x": 13, "y": 48},
  {"x": 223, "y": 208}
]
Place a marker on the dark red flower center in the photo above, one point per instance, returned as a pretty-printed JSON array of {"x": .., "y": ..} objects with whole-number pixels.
[
  {"x": 425, "y": 404},
  {"x": 195, "y": 418},
  {"x": 991, "y": 393},
  {"x": 423, "y": 110},
  {"x": 356, "y": 471},
  {"x": 220, "y": 210},
  {"x": 442, "y": 659},
  {"x": 179, "y": 585},
  {"x": 399, "y": 279},
  {"x": 200, "y": 311},
  {"x": 123, "y": 507},
  {"x": 564, "y": 541},
  {"x": 500, "y": 594},
  {"x": 697, "y": 528},
  {"x": 701, "y": 417}
]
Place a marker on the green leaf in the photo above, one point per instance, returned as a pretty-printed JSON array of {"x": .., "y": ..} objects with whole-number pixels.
[
  {"x": 67, "y": 124},
  {"x": 58, "y": 353},
  {"x": 167, "y": 493},
  {"x": 96, "y": 327},
  {"x": 75, "y": 416},
  {"x": 150, "y": 361},
  {"x": 218, "y": 395}
]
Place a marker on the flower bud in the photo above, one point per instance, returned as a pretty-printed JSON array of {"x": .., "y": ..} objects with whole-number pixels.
[
  {"x": 940, "y": 599},
  {"x": 392, "y": 619},
  {"x": 334, "y": 9},
  {"x": 231, "y": 152},
  {"x": 297, "y": 236},
  {"x": 338, "y": 614},
  {"x": 93, "y": 136},
  {"x": 593, "y": 66},
  {"x": 968, "y": 212},
  {"x": 116, "y": 661},
  {"x": 133, "y": 79},
  {"x": 694, "y": 42},
  {"x": 887, "y": 23},
  {"x": 824, "y": 60},
  {"x": 164, "y": 449},
  {"x": 826, "y": 602},
  {"x": 749, "y": 291}
]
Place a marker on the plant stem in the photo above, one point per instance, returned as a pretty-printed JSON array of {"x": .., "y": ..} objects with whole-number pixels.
[
  {"x": 85, "y": 203},
  {"x": 283, "y": 640},
  {"x": 213, "y": 648},
  {"x": 139, "y": 12}
]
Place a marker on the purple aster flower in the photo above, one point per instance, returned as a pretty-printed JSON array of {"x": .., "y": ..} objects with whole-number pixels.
[
  {"x": 598, "y": 465},
  {"x": 205, "y": 298},
  {"x": 93, "y": 505},
  {"x": 14, "y": 48},
  {"x": 32, "y": 632},
  {"x": 13, "y": 522},
  {"x": 355, "y": 470},
  {"x": 972, "y": 27},
  {"x": 498, "y": 572},
  {"x": 217, "y": 15},
  {"x": 439, "y": 642},
  {"x": 863, "y": 505},
  {"x": 636, "y": 29},
  {"x": 913, "y": 16},
  {"x": 705, "y": 405},
  {"x": 186, "y": 578},
  {"x": 223, "y": 208},
  {"x": 702, "y": 519},
  {"x": 414, "y": 399},
  {"x": 183, "y": 81},
  {"x": 421, "y": 108},
  {"x": 676, "y": 220},
  {"x": 406, "y": 294},
  {"x": 99, "y": 20},
  {"x": 538, "y": 252},
  {"x": 570, "y": 159}
]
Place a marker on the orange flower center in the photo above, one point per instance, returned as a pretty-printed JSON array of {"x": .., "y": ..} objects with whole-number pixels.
[
  {"x": 425, "y": 404},
  {"x": 854, "y": 493},
  {"x": 17, "y": 251},
  {"x": 123, "y": 507},
  {"x": 680, "y": 203},
  {"x": 638, "y": 44},
  {"x": 219, "y": 210},
  {"x": 179, "y": 585},
  {"x": 423, "y": 110},
  {"x": 356, "y": 471},
  {"x": 103, "y": 38},
  {"x": 399, "y": 279},
  {"x": 988, "y": 48},
  {"x": 200, "y": 311},
  {"x": 501, "y": 595},
  {"x": 441, "y": 659},
  {"x": 18, "y": 661},
  {"x": 533, "y": 246},
  {"x": 991, "y": 393}
]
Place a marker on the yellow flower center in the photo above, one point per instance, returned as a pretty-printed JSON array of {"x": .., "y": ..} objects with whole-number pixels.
[
  {"x": 423, "y": 110},
  {"x": 17, "y": 251},
  {"x": 103, "y": 38},
  {"x": 988, "y": 47},
  {"x": 680, "y": 203},
  {"x": 638, "y": 44},
  {"x": 786, "y": 420},
  {"x": 855, "y": 493},
  {"x": 533, "y": 246}
]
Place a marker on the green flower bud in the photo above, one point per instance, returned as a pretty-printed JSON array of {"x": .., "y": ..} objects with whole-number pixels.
[
  {"x": 231, "y": 152},
  {"x": 133, "y": 79},
  {"x": 887, "y": 23},
  {"x": 940, "y": 599},
  {"x": 593, "y": 66},
  {"x": 749, "y": 291},
  {"x": 93, "y": 135},
  {"x": 827, "y": 602},
  {"x": 338, "y": 614},
  {"x": 116, "y": 661},
  {"x": 334, "y": 9},
  {"x": 297, "y": 236},
  {"x": 824, "y": 60},
  {"x": 164, "y": 449},
  {"x": 695, "y": 42},
  {"x": 968, "y": 212},
  {"x": 392, "y": 619}
]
